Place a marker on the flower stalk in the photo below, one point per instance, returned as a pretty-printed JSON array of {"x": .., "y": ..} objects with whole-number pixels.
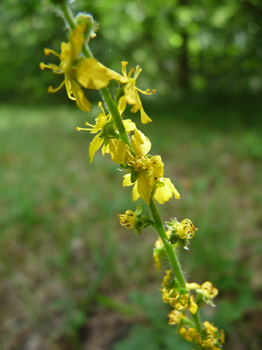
[
  {"x": 168, "y": 247},
  {"x": 130, "y": 149}
]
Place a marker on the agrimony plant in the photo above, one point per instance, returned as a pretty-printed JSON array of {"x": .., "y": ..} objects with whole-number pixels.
[{"x": 130, "y": 149}]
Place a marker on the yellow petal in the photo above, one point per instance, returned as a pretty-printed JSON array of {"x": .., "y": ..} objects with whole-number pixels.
[
  {"x": 144, "y": 186},
  {"x": 93, "y": 75},
  {"x": 77, "y": 39},
  {"x": 105, "y": 149},
  {"x": 94, "y": 146},
  {"x": 132, "y": 97},
  {"x": 122, "y": 105},
  {"x": 158, "y": 166},
  {"x": 81, "y": 101},
  {"x": 129, "y": 125},
  {"x": 191, "y": 286},
  {"x": 140, "y": 143},
  {"x": 157, "y": 260},
  {"x": 135, "y": 194},
  {"x": 135, "y": 108},
  {"x": 66, "y": 57},
  {"x": 100, "y": 122},
  {"x": 127, "y": 180},
  {"x": 144, "y": 117},
  {"x": 192, "y": 305},
  {"x": 164, "y": 193},
  {"x": 119, "y": 151}
]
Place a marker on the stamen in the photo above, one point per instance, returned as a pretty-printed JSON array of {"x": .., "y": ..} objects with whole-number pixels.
[
  {"x": 132, "y": 70},
  {"x": 88, "y": 124},
  {"x": 56, "y": 69},
  {"x": 48, "y": 51},
  {"x": 42, "y": 66},
  {"x": 137, "y": 72},
  {"x": 146, "y": 92},
  {"x": 100, "y": 105},
  {"x": 124, "y": 64},
  {"x": 53, "y": 90},
  {"x": 80, "y": 129}
]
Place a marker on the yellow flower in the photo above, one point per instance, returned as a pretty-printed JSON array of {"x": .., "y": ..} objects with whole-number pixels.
[
  {"x": 193, "y": 286},
  {"x": 157, "y": 259},
  {"x": 166, "y": 278},
  {"x": 190, "y": 334},
  {"x": 78, "y": 71},
  {"x": 208, "y": 290},
  {"x": 131, "y": 91},
  {"x": 175, "y": 317},
  {"x": 164, "y": 193},
  {"x": 145, "y": 171},
  {"x": 210, "y": 329},
  {"x": 128, "y": 219},
  {"x": 158, "y": 252},
  {"x": 213, "y": 337},
  {"x": 184, "y": 229},
  {"x": 192, "y": 305},
  {"x": 180, "y": 301},
  {"x": 106, "y": 130},
  {"x": 177, "y": 300}
]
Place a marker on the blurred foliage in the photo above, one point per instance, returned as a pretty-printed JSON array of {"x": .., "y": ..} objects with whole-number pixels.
[{"x": 181, "y": 44}]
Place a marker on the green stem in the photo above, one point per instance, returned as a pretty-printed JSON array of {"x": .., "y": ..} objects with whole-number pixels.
[
  {"x": 169, "y": 249},
  {"x": 69, "y": 19},
  {"x": 68, "y": 16},
  {"x": 171, "y": 255},
  {"x": 197, "y": 321},
  {"x": 116, "y": 117}
]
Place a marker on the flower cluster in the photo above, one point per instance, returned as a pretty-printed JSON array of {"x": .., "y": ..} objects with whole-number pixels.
[
  {"x": 184, "y": 303},
  {"x": 178, "y": 234},
  {"x": 130, "y": 149},
  {"x": 211, "y": 338},
  {"x": 144, "y": 172}
]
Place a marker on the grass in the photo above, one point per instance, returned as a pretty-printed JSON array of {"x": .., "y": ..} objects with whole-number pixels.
[{"x": 64, "y": 257}]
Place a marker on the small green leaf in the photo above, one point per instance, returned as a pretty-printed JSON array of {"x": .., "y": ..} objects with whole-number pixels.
[{"x": 134, "y": 176}]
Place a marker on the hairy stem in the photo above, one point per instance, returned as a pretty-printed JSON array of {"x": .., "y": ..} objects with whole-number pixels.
[
  {"x": 171, "y": 255},
  {"x": 169, "y": 249},
  {"x": 69, "y": 19},
  {"x": 197, "y": 321}
]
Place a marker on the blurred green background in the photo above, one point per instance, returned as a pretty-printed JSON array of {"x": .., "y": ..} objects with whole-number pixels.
[{"x": 71, "y": 277}]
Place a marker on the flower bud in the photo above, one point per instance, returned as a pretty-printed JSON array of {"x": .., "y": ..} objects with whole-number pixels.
[
  {"x": 91, "y": 24},
  {"x": 184, "y": 229},
  {"x": 135, "y": 219},
  {"x": 128, "y": 219}
]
